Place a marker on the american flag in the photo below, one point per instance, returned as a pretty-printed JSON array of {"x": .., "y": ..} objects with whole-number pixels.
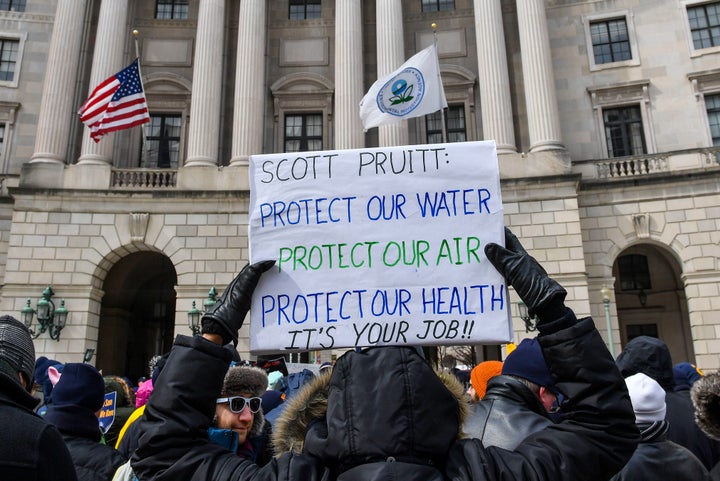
[{"x": 117, "y": 103}]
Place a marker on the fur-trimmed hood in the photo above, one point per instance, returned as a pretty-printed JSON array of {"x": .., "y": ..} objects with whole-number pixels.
[
  {"x": 375, "y": 404},
  {"x": 705, "y": 395}
]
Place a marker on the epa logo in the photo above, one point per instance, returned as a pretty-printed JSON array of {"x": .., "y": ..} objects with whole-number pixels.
[{"x": 403, "y": 93}]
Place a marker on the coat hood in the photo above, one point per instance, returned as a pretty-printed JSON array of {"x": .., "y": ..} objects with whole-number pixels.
[
  {"x": 650, "y": 356},
  {"x": 379, "y": 403},
  {"x": 705, "y": 395}
]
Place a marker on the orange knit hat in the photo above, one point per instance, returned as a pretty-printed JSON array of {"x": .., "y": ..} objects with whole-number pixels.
[{"x": 481, "y": 374}]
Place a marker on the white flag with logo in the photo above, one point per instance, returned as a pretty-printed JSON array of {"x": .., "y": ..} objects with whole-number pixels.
[{"x": 413, "y": 90}]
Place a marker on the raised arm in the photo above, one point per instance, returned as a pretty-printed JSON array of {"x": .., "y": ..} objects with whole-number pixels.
[{"x": 597, "y": 434}]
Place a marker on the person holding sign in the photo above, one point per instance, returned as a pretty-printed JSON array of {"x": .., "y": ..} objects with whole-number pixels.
[{"x": 388, "y": 415}]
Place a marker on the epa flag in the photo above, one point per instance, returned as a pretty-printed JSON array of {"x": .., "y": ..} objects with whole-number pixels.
[
  {"x": 117, "y": 103},
  {"x": 413, "y": 90}
]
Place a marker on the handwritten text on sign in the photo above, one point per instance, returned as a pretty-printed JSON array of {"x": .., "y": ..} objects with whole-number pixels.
[{"x": 377, "y": 247}]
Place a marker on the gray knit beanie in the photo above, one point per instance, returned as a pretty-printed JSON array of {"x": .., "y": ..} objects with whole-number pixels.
[{"x": 17, "y": 348}]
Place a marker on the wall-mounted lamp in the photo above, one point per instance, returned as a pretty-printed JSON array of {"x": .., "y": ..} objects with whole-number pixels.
[
  {"x": 194, "y": 313},
  {"x": 530, "y": 321},
  {"x": 50, "y": 319},
  {"x": 89, "y": 353},
  {"x": 642, "y": 297}
]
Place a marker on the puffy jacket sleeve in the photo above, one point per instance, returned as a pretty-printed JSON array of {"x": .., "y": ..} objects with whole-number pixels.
[
  {"x": 597, "y": 433},
  {"x": 174, "y": 443}
]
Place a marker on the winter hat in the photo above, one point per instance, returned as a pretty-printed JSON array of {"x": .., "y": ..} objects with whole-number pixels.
[
  {"x": 685, "y": 375},
  {"x": 273, "y": 379},
  {"x": 80, "y": 385},
  {"x": 17, "y": 350},
  {"x": 527, "y": 361},
  {"x": 244, "y": 380},
  {"x": 481, "y": 373},
  {"x": 648, "y": 398},
  {"x": 41, "y": 374},
  {"x": 326, "y": 365},
  {"x": 272, "y": 399},
  {"x": 705, "y": 394}
]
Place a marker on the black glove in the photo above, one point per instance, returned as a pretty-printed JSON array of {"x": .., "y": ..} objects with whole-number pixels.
[
  {"x": 227, "y": 315},
  {"x": 540, "y": 293}
]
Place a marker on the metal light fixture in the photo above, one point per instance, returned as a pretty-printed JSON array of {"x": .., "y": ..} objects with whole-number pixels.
[
  {"x": 194, "y": 313},
  {"x": 49, "y": 318},
  {"x": 194, "y": 319},
  {"x": 642, "y": 297},
  {"x": 89, "y": 353},
  {"x": 530, "y": 321},
  {"x": 211, "y": 299},
  {"x": 605, "y": 292}
]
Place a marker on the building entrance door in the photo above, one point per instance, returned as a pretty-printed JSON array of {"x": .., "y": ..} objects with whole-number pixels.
[
  {"x": 137, "y": 317},
  {"x": 651, "y": 299}
]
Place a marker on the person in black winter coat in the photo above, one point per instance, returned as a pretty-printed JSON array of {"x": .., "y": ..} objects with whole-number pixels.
[
  {"x": 656, "y": 457},
  {"x": 75, "y": 403},
  {"x": 30, "y": 448},
  {"x": 651, "y": 356},
  {"x": 516, "y": 403},
  {"x": 388, "y": 415}
]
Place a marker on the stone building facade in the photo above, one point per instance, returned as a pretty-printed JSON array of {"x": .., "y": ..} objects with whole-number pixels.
[{"x": 606, "y": 116}]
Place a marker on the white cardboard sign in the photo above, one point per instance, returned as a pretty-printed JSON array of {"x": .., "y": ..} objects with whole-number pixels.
[{"x": 379, "y": 246}]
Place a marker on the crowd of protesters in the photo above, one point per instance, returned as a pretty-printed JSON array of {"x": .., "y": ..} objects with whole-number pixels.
[{"x": 558, "y": 407}]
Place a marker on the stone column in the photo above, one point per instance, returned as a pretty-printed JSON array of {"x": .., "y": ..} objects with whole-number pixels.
[
  {"x": 390, "y": 55},
  {"x": 107, "y": 60},
  {"x": 542, "y": 106},
  {"x": 348, "y": 74},
  {"x": 204, "y": 127},
  {"x": 56, "y": 106},
  {"x": 249, "y": 82},
  {"x": 493, "y": 79}
]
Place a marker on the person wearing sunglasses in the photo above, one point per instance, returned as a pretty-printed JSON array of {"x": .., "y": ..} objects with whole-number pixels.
[
  {"x": 387, "y": 415},
  {"x": 239, "y": 422}
]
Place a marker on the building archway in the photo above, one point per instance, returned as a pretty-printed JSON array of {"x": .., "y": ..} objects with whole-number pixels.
[
  {"x": 137, "y": 316},
  {"x": 651, "y": 299}
]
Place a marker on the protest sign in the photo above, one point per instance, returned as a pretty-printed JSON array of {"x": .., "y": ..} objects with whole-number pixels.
[
  {"x": 377, "y": 247},
  {"x": 107, "y": 413}
]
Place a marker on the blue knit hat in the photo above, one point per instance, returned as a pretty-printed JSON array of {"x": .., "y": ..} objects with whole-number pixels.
[
  {"x": 527, "y": 362},
  {"x": 685, "y": 375}
]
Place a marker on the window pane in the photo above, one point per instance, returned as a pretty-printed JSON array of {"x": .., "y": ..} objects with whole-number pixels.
[
  {"x": 8, "y": 57},
  {"x": 610, "y": 41},
  {"x": 454, "y": 125},
  {"x": 12, "y": 5},
  {"x": 437, "y": 5},
  {"x": 163, "y": 141},
  {"x": 304, "y": 9},
  {"x": 712, "y": 104},
  {"x": 171, "y": 9},
  {"x": 704, "y": 23},
  {"x": 624, "y": 133},
  {"x": 303, "y": 132}
]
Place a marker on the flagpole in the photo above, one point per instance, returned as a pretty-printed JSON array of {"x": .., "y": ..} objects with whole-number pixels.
[
  {"x": 442, "y": 110},
  {"x": 144, "y": 126}
]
